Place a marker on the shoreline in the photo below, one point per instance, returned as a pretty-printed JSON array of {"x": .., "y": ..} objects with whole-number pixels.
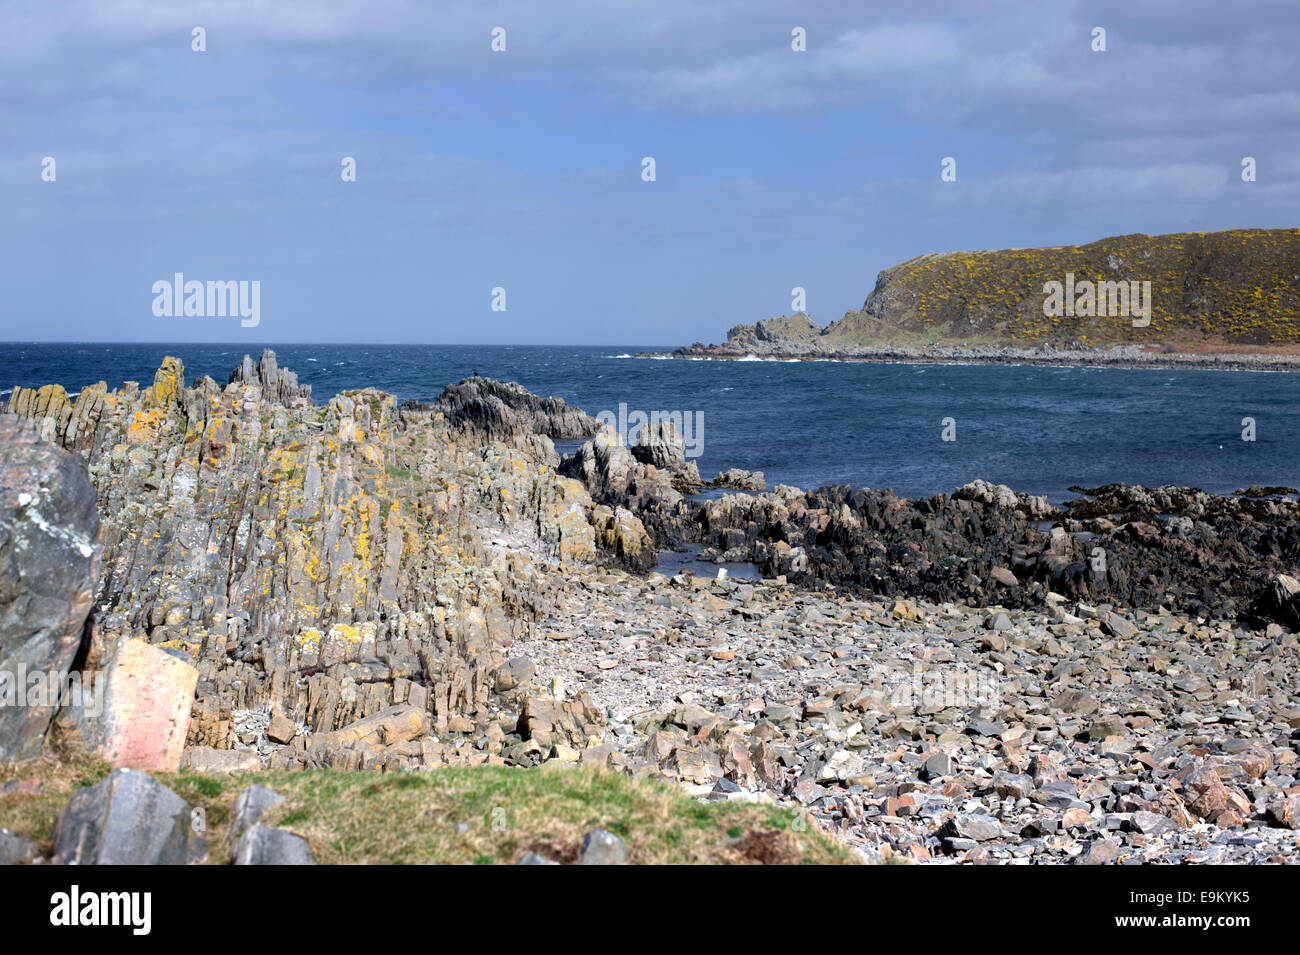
[
  {"x": 363, "y": 585},
  {"x": 1126, "y": 357}
]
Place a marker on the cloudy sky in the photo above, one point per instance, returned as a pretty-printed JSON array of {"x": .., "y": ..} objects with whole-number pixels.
[{"x": 522, "y": 169}]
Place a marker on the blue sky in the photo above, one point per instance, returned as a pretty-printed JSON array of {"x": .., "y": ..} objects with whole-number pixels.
[{"x": 522, "y": 169}]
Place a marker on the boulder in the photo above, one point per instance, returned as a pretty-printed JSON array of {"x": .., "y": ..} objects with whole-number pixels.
[
  {"x": 396, "y": 724},
  {"x": 15, "y": 849},
  {"x": 149, "y": 700},
  {"x": 127, "y": 818},
  {"x": 1280, "y": 601},
  {"x": 250, "y": 805},
  {"x": 222, "y": 762},
  {"x": 262, "y": 845},
  {"x": 49, "y": 562},
  {"x": 600, "y": 847}
]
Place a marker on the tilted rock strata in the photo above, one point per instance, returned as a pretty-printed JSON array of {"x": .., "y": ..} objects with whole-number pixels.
[{"x": 322, "y": 563}]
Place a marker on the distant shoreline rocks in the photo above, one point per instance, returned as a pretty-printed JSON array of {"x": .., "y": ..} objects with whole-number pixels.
[{"x": 1121, "y": 356}]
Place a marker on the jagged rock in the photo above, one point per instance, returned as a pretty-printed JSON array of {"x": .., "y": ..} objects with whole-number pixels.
[
  {"x": 661, "y": 444},
  {"x": 262, "y": 845},
  {"x": 619, "y": 531},
  {"x": 505, "y": 409},
  {"x": 127, "y": 818},
  {"x": 741, "y": 480},
  {"x": 49, "y": 562},
  {"x": 278, "y": 384}
]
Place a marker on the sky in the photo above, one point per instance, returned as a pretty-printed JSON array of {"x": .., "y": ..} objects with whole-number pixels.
[{"x": 522, "y": 169}]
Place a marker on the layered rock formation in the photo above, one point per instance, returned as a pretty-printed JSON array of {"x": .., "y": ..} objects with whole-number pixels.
[{"x": 317, "y": 565}]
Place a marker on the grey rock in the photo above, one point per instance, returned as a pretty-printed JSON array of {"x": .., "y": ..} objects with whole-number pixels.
[
  {"x": 937, "y": 765},
  {"x": 1098, "y": 852},
  {"x": 513, "y": 673},
  {"x": 1150, "y": 823},
  {"x": 533, "y": 858},
  {"x": 127, "y": 818},
  {"x": 1117, "y": 626},
  {"x": 600, "y": 847},
  {"x": 250, "y": 805},
  {"x": 969, "y": 825},
  {"x": 15, "y": 849},
  {"x": 262, "y": 845},
  {"x": 49, "y": 562}
]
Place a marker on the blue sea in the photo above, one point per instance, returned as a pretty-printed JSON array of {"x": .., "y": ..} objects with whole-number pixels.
[{"x": 813, "y": 423}]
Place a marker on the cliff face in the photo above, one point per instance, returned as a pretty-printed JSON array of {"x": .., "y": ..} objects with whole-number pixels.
[{"x": 1240, "y": 287}]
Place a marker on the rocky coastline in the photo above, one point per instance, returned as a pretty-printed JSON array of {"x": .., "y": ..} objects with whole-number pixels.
[{"x": 973, "y": 677}]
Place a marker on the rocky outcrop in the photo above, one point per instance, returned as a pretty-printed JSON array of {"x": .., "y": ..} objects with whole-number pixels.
[
  {"x": 1143, "y": 547},
  {"x": 1034, "y": 508},
  {"x": 503, "y": 410},
  {"x": 659, "y": 443},
  {"x": 313, "y": 565},
  {"x": 49, "y": 562},
  {"x": 741, "y": 480},
  {"x": 279, "y": 385}
]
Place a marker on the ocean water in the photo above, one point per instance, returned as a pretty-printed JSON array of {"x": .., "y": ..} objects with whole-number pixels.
[{"x": 813, "y": 423}]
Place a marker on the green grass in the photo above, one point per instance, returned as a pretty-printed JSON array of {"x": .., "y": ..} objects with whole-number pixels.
[{"x": 481, "y": 816}]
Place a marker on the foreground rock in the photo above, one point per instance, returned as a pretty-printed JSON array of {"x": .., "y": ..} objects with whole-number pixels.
[
  {"x": 128, "y": 818},
  {"x": 49, "y": 560}
]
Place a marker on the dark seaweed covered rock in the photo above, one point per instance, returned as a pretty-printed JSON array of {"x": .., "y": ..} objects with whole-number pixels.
[{"x": 507, "y": 410}]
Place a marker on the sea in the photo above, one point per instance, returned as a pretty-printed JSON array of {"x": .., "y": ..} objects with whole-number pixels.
[{"x": 920, "y": 429}]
